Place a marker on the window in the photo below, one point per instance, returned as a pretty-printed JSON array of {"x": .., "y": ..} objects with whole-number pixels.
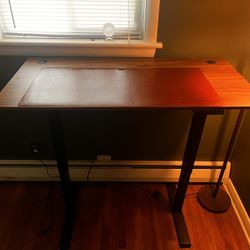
[
  {"x": 44, "y": 24},
  {"x": 72, "y": 18}
]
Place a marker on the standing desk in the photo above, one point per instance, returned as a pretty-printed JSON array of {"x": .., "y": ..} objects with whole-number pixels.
[{"x": 205, "y": 87}]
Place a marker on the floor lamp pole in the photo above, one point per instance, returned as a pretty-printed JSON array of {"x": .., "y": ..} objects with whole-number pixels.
[{"x": 216, "y": 199}]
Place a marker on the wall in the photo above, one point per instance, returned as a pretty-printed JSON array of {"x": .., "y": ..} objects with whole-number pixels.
[
  {"x": 214, "y": 29},
  {"x": 188, "y": 29},
  {"x": 240, "y": 173}
]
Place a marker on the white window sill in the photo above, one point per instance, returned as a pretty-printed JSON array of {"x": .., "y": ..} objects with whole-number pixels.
[{"x": 77, "y": 47}]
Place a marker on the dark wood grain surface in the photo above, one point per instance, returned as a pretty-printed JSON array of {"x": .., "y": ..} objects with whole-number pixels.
[
  {"x": 120, "y": 88},
  {"x": 111, "y": 217}
]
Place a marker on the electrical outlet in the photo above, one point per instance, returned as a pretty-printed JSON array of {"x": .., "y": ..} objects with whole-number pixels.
[
  {"x": 34, "y": 149},
  {"x": 104, "y": 157}
]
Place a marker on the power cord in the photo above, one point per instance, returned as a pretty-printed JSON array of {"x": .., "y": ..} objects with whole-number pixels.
[
  {"x": 49, "y": 197},
  {"x": 51, "y": 221},
  {"x": 34, "y": 196},
  {"x": 27, "y": 186},
  {"x": 153, "y": 194},
  {"x": 93, "y": 123},
  {"x": 46, "y": 167},
  {"x": 89, "y": 170}
]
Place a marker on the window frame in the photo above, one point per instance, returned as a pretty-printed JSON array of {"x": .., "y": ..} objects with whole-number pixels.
[{"x": 86, "y": 47}]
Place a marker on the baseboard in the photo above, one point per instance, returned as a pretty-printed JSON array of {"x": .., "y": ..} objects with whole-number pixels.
[
  {"x": 146, "y": 171},
  {"x": 239, "y": 209}
]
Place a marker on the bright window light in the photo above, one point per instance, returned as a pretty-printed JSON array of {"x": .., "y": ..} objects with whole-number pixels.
[
  {"x": 72, "y": 18},
  {"x": 79, "y": 28}
]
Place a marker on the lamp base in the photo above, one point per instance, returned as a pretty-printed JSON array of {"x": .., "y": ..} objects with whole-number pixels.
[{"x": 219, "y": 204}]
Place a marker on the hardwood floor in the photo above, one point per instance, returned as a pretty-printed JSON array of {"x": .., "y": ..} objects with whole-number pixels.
[{"x": 110, "y": 217}]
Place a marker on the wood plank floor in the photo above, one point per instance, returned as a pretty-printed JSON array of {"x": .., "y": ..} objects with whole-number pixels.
[{"x": 110, "y": 217}]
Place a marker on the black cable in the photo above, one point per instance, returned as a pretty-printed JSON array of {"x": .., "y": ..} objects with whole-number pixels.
[
  {"x": 93, "y": 123},
  {"x": 46, "y": 167},
  {"x": 49, "y": 195},
  {"x": 27, "y": 185},
  {"x": 154, "y": 194},
  {"x": 89, "y": 170},
  {"x": 34, "y": 196},
  {"x": 51, "y": 221},
  {"x": 195, "y": 193},
  {"x": 126, "y": 192},
  {"x": 145, "y": 190}
]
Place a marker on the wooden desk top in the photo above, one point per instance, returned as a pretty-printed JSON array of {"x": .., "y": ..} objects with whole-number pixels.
[
  {"x": 203, "y": 85},
  {"x": 120, "y": 89}
]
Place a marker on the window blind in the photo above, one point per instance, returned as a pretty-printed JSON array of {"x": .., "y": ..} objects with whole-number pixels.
[{"x": 72, "y": 18}]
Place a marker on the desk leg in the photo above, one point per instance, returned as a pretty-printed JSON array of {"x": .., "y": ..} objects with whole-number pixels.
[
  {"x": 177, "y": 196},
  {"x": 62, "y": 165}
]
